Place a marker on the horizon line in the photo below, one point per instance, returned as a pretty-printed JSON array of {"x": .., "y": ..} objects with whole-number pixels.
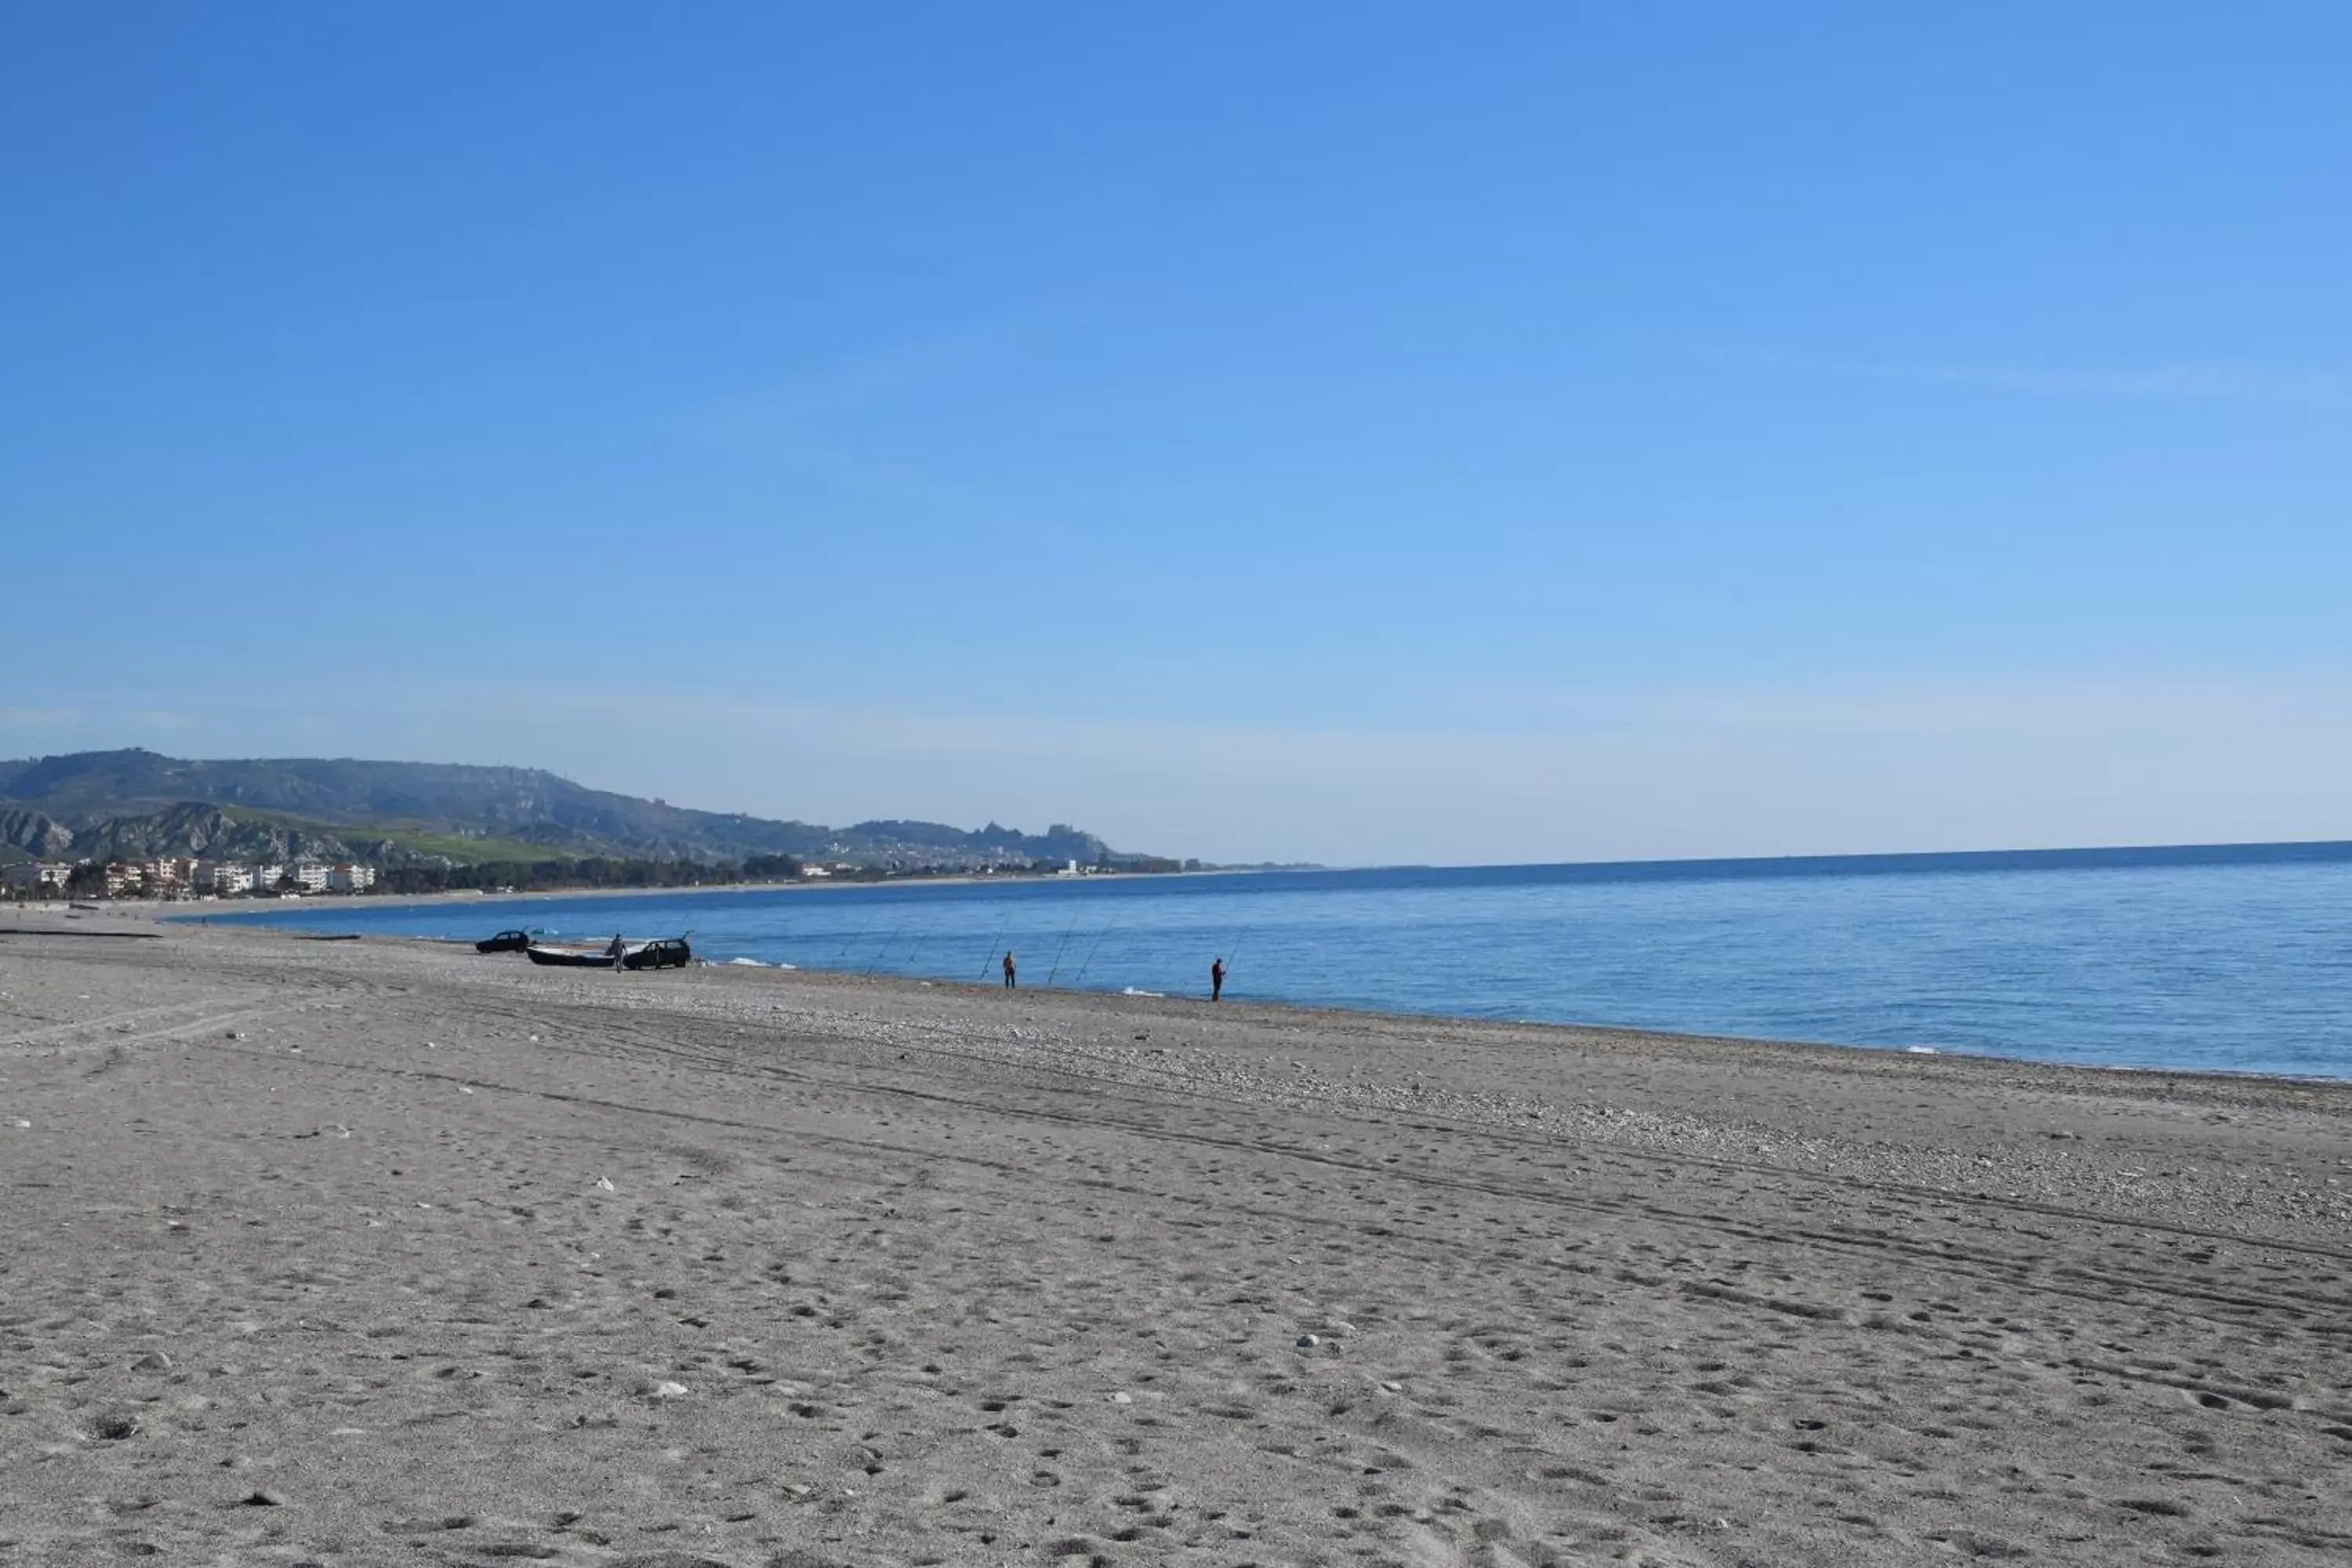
[{"x": 2274, "y": 849}]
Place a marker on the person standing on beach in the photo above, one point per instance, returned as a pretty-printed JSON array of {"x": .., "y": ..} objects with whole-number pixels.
[
  {"x": 615, "y": 950},
  {"x": 1012, "y": 972},
  {"x": 1216, "y": 980}
]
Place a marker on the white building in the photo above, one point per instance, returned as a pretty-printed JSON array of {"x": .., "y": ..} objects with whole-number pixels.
[
  {"x": 309, "y": 876},
  {"x": 229, "y": 879},
  {"x": 42, "y": 877},
  {"x": 351, "y": 879},
  {"x": 265, "y": 874}
]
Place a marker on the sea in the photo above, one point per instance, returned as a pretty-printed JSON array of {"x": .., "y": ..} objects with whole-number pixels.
[{"x": 2223, "y": 959}]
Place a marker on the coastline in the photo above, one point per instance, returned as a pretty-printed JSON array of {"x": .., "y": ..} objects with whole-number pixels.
[
  {"x": 1919, "y": 1061},
  {"x": 172, "y": 913},
  {"x": 405, "y": 1241},
  {"x": 248, "y": 907},
  {"x": 2233, "y": 970}
]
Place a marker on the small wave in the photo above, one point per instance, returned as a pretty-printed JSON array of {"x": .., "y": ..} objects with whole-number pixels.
[
  {"x": 1131, "y": 991},
  {"x": 1919, "y": 1050},
  {"x": 748, "y": 962}
]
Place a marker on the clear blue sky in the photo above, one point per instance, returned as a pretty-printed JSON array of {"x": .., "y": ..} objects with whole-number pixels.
[{"x": 1359, "y": 432}]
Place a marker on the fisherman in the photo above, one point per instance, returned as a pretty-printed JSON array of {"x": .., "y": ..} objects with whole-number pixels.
[
  {"x": 1012, "y": 972},
  {"x": 1216, "y": 980},
  {"x": 614, "y": 953}
]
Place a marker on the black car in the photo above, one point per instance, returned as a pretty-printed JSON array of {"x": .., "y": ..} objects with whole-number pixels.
[
  {"x": 505, "y": 942},
  {"x": 670, "y": 953}
]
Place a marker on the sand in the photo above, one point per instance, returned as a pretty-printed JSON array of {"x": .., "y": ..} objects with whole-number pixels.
[{"x": 380, "y": 1253}]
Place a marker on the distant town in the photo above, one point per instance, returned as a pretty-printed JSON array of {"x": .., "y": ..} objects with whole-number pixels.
[{"x": 181, "y": 877}]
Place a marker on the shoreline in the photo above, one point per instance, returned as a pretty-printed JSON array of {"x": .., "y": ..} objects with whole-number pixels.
[
  {"x": 2199, "y": 979},
  {"x": 1868, "y": 1057},
  {"x": 1309, "y": 1013},
  {"x": 251, "y": 906}
]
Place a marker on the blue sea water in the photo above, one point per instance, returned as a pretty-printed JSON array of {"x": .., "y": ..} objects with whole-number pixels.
[{"x": 2237, "y": 960}]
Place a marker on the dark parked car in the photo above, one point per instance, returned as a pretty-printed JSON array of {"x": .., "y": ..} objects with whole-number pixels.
[
  {"x": 670, "y": 953},
  {"x": 505, "y": 942}
]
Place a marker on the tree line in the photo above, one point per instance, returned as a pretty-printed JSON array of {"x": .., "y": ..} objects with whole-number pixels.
[{"x": 590, "y": 871}]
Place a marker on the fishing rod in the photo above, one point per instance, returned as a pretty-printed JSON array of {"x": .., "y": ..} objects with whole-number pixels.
[
  {"x": 886, "y": 946},
  {"x": 1002, "y": 927},
  {"x": 852, "y": 941},
  {"x": 1058, "y": 950},
  {"x": 916, "y": 946},
  {"x": 1079, "y": 978}
]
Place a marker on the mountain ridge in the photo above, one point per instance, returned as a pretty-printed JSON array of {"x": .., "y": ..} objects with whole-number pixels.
[{"x": 137, "y": 801}]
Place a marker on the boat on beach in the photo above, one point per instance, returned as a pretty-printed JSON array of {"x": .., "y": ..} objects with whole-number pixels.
[
  {"x": 568, "y": 957},
  {"x": 668, "y": 953}
]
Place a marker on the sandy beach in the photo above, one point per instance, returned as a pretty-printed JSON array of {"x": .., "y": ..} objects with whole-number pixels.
[{"x": 374, "y": 1252}]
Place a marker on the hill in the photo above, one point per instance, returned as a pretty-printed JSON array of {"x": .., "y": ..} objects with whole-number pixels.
[{"x": 136, "y": 802}]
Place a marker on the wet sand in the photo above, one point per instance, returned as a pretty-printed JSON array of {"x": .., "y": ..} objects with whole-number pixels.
[{"x": 380, "y": 1253}]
